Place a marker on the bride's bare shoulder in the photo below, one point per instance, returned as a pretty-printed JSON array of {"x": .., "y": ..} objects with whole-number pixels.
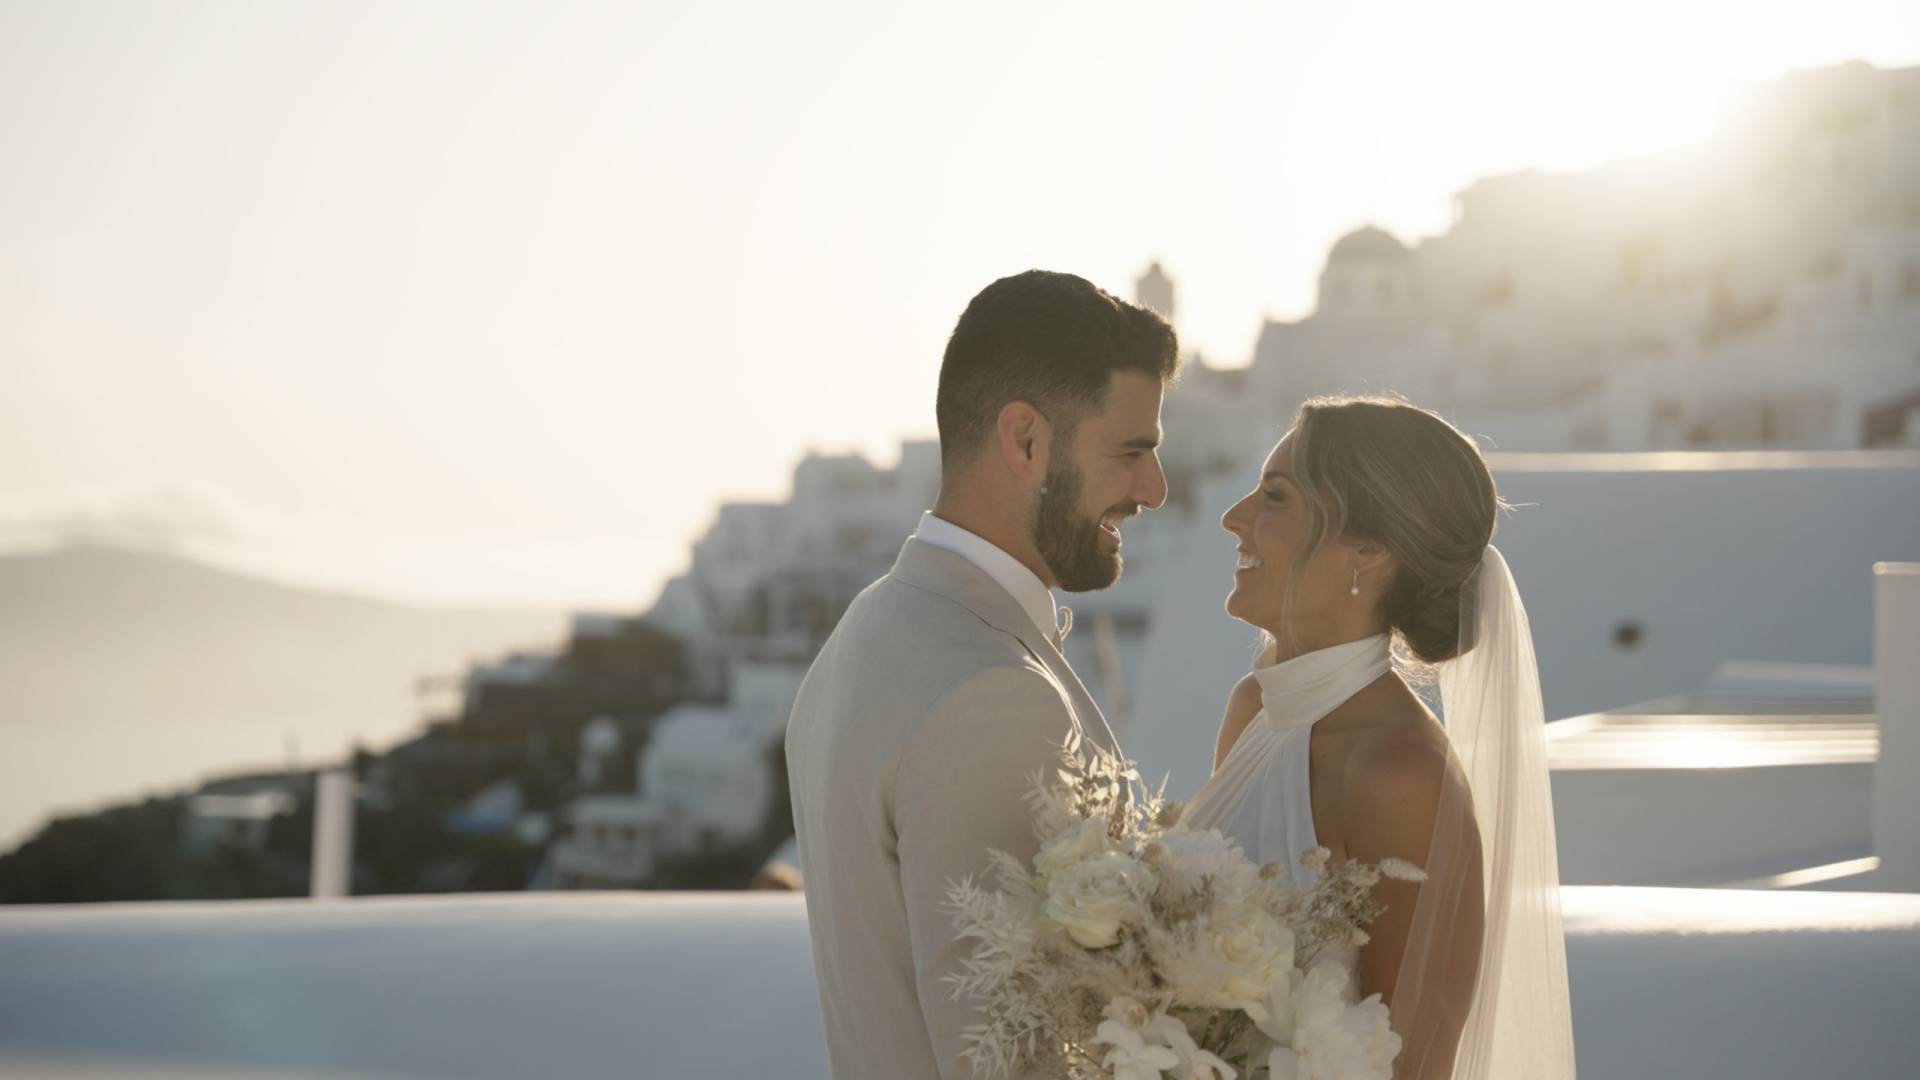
[
  {"x": 1392, "y": 782},
  {"x": 1243, "y": 704}
]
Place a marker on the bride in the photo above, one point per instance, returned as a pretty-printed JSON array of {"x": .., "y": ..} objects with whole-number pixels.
[{"x": 1370, "y": 530}]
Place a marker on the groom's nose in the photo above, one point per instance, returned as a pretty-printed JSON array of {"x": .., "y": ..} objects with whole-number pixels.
[{"x": 1153, "y": 495}]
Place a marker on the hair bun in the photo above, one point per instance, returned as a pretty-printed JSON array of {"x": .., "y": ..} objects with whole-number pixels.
[{"x": 1428, "y": 620}]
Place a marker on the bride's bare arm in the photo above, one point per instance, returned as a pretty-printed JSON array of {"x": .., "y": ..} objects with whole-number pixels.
[
  {"x": 1395, "y": 790},
  {"x": 1243, "y": 704},
  {"x": 1391, "y": 793}
]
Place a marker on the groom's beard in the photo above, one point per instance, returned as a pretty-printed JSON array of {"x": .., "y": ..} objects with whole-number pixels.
[{"x": 1071, "y": 545}]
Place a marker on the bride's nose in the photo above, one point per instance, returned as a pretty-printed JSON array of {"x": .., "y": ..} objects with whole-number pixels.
[{"x": 1230, "y": 520}]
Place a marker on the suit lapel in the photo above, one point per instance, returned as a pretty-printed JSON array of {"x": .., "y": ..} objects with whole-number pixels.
[{"x": 938, "y": 570}]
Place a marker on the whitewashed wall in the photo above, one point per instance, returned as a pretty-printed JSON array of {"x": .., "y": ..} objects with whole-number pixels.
[{"x": 1702, "y": 984}]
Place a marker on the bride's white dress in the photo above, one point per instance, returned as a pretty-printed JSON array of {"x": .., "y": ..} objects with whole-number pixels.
[
  {"x": 1481, "y": 990},
  {"x": 1261, "y": 796}
]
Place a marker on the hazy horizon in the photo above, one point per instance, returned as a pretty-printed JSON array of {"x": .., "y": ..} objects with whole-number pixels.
[
  {"x": 494, "y": 307},
  {"x": 128, "y": 676}
]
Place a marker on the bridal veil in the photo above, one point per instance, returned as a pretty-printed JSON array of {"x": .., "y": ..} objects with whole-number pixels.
[{"x": 1487, "y": 939}]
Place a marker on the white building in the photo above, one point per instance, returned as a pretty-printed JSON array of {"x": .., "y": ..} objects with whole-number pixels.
[
  {"x": 705, "y": 780},
  {"x": 600, "y": 741},
  {"x": 707, "y": 769},
  {"x": 214, "y": 821},
  {"x": 1759, "y": 290},
  {"x": 613, "y": 845},
  {"x": 769, "y": 580}
]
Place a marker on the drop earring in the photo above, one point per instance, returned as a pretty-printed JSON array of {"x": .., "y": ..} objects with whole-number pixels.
[{"x": 1355, "y": 591}]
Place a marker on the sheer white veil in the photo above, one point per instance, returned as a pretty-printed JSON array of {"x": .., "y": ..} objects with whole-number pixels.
[{"x": 1486, "y": 959}]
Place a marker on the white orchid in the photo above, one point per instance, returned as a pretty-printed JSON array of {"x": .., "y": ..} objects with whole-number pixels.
[
  {"x": 1196, "y": 1063},
  {"x": 1132, "y": 1057}
]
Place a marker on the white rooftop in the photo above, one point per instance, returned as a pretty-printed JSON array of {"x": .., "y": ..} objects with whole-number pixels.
[
  {"x": 1679, "y": 735},
  {"x": 1665, "y": 982}
]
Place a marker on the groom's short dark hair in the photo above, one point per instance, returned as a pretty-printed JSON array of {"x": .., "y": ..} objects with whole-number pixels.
[{"x": 1051, "y": 340}]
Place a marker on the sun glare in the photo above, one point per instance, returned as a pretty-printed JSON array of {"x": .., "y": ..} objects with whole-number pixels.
[
  {"x": 1541, "y": 87},
  {"x": 1634, "y": 117}
]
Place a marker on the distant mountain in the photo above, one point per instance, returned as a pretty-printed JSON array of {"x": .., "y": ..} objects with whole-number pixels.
[{"x": 126, "y": 672}]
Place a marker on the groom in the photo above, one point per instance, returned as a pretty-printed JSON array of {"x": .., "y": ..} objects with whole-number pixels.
[{"x": 942, "y": 692}]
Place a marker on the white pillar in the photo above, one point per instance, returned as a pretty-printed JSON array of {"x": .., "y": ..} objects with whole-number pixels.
[
  {"x": 1896, "y": 776},
  {"x": 332, "y": 874}
]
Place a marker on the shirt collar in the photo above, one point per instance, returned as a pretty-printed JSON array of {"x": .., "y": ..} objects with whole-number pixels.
[{"x": 1010, "y": 573}]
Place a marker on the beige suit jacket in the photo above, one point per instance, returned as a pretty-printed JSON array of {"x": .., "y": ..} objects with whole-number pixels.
[{"x": 910, "y": 751}]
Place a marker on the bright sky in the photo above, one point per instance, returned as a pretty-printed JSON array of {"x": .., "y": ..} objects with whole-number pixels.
[{"x": 495, "y": 302}]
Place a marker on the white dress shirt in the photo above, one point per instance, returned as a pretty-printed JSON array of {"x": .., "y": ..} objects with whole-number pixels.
[{"x": 1011, "y": 574}]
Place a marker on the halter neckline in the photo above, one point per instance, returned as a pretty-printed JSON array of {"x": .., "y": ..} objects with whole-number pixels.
[{"x": 1300, "y": 691}]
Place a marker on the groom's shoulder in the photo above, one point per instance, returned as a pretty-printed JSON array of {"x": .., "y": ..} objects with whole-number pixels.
[
  {"x": 913, "y": 647},
  {"x": 893, "y": 610}
]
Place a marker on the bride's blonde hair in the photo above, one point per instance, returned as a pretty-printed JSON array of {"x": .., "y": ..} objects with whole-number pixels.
[{"x": 1381, "y": 469}]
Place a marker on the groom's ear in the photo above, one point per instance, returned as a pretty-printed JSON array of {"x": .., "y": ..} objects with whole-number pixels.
[{"x": 1024, "y": 438}]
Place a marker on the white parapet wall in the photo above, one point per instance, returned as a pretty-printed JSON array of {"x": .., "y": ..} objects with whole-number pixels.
[
  {"x": 1896, "y": 776},
  {"x": 1642, "y": 826},
  {"x": 1705, "y": 984}
]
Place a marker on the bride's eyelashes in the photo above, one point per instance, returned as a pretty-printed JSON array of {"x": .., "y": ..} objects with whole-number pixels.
[{"x": 1275, "y": 497}]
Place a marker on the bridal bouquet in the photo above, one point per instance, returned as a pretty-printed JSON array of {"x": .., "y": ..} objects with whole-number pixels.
[{"x": 1134, "y": 948}]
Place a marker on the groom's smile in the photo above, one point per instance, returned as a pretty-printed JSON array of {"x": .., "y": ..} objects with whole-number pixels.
[{"x": 1105, "y": 471}]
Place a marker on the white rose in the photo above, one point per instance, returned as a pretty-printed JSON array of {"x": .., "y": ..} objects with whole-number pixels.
[
  {"x": 1076, "y": 843},
  {"x": 1233, "y": 961},
  {"x": 1258, "y": 950},
  {"x": 1231, "y": 958},
  {"x": 1092, "y": 899}
]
